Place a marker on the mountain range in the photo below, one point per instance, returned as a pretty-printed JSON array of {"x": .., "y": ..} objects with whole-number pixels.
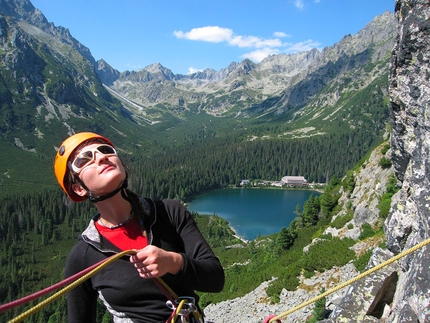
[
  {"x": 271, "y": 89},
  {"x": 51, "y": 87}
]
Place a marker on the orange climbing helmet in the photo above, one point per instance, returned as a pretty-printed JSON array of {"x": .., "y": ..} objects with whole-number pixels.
[{"x": 62, "y": 156}]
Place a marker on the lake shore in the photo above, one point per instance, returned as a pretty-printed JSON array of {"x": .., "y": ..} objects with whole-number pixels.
[
  {"x": 236, "y": 235},
  {"x": 319, "y": 190},
  {"x": 253, "y": 212}
]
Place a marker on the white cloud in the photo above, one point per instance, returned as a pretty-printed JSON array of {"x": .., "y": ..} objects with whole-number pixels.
[
  {"x": 252, "y": 41},
  {"x": 260, "y": 47},
  {"x": 192, "y": 70},
  {"x": 299, "y": 4},
  {"x": 215, "y": 34},
  {"x": 212, "y": 34},
  {"x": 260, "y": 54},
  {"x": 280, "y": 34},
  {"x": 302, "y": 46}
]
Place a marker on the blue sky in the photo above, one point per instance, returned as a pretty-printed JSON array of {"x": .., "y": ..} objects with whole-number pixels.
[{"x": 191, "y": 35}]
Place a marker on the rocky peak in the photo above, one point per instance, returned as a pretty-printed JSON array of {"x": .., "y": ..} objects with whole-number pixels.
[
  {"x": 106, "y": 72},
  {"x": 22, "y": 10},
  {"x": 24, "y": 14},
  {"x": 206, "y": 74},
  {"x": 159, "y": 72},
  {"x": 380, "y": 32}
]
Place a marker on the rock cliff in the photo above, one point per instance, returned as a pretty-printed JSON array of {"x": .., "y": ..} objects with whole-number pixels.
[{"x": 409, "y": 219}]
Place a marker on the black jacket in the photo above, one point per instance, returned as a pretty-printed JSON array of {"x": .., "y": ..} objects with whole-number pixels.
[{"x": 127, "y": 296}]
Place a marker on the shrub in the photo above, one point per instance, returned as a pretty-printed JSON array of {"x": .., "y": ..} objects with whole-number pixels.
[
  {"x": 308, "y": 274},
  {"x": 384, "y": 206},
  {"x": 326, "y": 254},
  {"x": 385, "y": 162},
  {"x": 366, "y": 232},
  {"x": 319, "y": 309},
  {"x": 361, "y": 262},
  {"x": 340, "y": 221},
  {"x": 317, "y": 234},
  {"x": 326, "y": 236},
  {"x": 385, "y": 149},
  {"x": 385, "y": 200},
  {"x": 349, "y": 182},
  {"x": 289, "y": 282}
]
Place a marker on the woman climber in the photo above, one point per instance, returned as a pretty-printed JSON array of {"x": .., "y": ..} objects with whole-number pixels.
[{"x": 166, "y": 242}]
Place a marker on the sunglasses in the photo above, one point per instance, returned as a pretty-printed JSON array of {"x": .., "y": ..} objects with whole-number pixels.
[{"x": 86, "y": 157}]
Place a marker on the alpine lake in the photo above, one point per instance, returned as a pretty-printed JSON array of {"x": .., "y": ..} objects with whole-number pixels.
[{"x": 253, "y": 212}]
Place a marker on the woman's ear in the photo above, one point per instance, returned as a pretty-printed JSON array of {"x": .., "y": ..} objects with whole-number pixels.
[{"x": 79, "y": 190}]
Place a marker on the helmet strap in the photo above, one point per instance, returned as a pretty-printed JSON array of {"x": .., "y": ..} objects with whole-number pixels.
[{"x": 95, "y": 199}]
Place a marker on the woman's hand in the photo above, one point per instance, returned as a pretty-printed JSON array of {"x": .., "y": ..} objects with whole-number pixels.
[{"x": 153, "y": 262}]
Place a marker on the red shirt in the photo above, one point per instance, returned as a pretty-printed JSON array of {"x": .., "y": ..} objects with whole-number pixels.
[{"x": 126, "y": 237}]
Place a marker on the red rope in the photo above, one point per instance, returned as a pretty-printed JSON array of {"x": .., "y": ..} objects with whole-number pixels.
[
  {"x": 29, "y": 298},
  {"x": 267, "y": 319},
  {"x": 165, "y": 292},
  {"x": 69, "y": 280}
]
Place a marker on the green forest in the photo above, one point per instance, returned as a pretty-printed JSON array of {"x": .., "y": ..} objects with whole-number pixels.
[{"x": 183, "y": 173}]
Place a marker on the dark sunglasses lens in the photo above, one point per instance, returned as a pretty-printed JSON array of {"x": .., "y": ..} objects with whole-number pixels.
[
  {"x": 83, "y": 159},
  {"x": 106, "y": 150}
]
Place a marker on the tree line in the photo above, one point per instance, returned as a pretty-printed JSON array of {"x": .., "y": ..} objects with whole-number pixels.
[{"x": 186, "y": 171}]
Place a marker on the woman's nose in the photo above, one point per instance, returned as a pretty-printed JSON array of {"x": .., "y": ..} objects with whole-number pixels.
[{"x": 99, "y": 157}]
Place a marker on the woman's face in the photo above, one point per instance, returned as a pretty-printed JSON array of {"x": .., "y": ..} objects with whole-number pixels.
[{"x": 102, "y": 175}]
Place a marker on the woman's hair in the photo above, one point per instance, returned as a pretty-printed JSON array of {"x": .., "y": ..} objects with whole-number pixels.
[{"x": 136, "y": 205}]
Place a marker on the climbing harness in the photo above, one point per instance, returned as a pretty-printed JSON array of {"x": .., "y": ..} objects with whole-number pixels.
[
  {"x": 179, "y": 305},
  {"x": 183, "y": 307}
]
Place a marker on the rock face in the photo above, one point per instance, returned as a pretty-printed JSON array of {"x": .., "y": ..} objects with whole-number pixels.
[
  {"x": 365, "y": 300},
  {"x": 370, "y": 183},
  {"x": 409, "y": 219},
  {"x": 255, "y": 307}
]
